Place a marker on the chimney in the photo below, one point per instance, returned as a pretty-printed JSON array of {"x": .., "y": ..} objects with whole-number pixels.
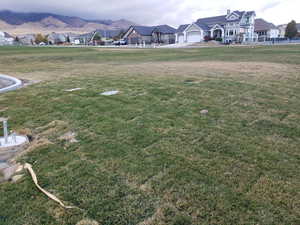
[{"x": 228, "y": 12}]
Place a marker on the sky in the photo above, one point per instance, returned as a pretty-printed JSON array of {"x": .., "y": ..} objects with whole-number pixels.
[{"x": 154, "y": 12}]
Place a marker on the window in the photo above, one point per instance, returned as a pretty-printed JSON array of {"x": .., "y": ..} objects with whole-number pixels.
[
  {"x": 247, "y": 20},
  {"x": 231, "y": 32}
]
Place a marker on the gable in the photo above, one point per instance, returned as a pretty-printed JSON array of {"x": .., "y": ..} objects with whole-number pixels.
[
  {"x": 233, "y": 16},
  {"x": 193, "y": 27},
  {"x": 182, "y": 28},
  {"x": 217, "y": 26}
]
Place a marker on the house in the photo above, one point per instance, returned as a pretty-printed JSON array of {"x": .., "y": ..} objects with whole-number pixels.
[
  {"x": 265, "y": 30},
  {"x": 6, "y": 39},
  {"x": 108, "y": 34},
  {"x": 162, "y": 34},
  {"x": 105, "y": 37},
  {"x": 236, "y": 26},
  {"x": 27, "y": 39},
  {"x": 56, "y": 39},
  {"x": 102, "y": 36},
  {"x": 282, "y": 29}
]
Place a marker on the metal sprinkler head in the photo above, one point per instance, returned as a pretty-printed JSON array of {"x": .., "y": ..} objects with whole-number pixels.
[{"x": 12, "y": 139}]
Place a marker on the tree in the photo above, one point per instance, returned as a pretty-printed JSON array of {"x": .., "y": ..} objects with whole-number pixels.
[
  {"x": 97, "y": 37},
  {"x": 68, "y": 39},
  {"x": 291, "y": 30},
  {"x": 119, "y": 35},
  {"x": 40, "y": 38}
]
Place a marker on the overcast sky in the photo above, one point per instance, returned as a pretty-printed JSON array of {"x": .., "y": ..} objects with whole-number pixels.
[{"x": 153, "y": 12}]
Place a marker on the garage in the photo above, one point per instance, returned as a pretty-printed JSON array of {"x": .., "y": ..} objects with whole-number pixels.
[
  {"x": 180, "y": 38},
  {"x": 193, "y": 37}
]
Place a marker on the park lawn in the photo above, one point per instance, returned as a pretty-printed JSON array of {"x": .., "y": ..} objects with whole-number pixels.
[{"x": 147, "y": 155}]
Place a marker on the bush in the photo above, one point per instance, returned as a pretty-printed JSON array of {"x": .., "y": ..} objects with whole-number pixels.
[
  {"x": 207, "y": 38},
  {"x": 219, "y": 39},
  {"x": 40, "y": 38},
  {"x": 182, "y": 220}
]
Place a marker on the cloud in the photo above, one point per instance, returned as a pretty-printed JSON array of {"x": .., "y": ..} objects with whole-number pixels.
[
  {"x": 152, "y": 12},
  {"x": 270, "y": 5}
]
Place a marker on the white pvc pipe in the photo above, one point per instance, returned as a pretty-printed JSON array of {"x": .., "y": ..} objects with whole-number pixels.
[
  {"x": 16, "y": 83},
  {"x": 5, "y": 132}
]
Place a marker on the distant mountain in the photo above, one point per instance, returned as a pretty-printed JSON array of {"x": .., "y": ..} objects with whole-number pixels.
[{"x": 23, "y": 23}]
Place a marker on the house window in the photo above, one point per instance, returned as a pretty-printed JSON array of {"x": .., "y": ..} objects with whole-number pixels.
[
  {"x": 247, "y": 20},
  {"x": 231, "y": 32}
]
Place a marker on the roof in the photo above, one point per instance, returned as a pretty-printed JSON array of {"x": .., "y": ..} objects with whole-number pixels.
[
  {"x": 108, "y": 33},
  {"x": 262, "y": 25},
  {"x": 7, "y": 35},
  {"x": 181, "y": 28},
  {"x": 209, "y": 22},
  {"x": 203, "y": 26},
  {"x": 165, "y": 29},
  {"x": 144, "y": 30},
  {"x": 148, "y": 30}
]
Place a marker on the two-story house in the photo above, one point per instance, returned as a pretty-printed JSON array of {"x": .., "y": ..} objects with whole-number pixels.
[{"x": 236, "y": 26}]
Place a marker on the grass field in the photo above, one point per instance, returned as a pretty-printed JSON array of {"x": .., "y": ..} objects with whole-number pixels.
[{"x": 147, "y": 156}]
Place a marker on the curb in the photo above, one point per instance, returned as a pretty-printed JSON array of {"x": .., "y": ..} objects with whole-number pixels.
[{"x": 17, "y": 83}]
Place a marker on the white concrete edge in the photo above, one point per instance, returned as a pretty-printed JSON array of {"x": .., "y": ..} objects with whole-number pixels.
[{"x": 17, "y": 83}]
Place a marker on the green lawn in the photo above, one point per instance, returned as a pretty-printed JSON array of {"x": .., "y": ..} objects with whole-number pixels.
[{"x": 147, "y": 155}]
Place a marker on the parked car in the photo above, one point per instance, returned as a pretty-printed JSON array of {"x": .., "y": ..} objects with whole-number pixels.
[{"x": 120, "y": 42}]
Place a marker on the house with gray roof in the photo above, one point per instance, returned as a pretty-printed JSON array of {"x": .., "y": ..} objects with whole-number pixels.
[
  {"x": 265, "y": 30},
  {"x": 162, "y": 34},
  {"x": 236, "y": 26},
  {"x": 6, "y": 39},
  {"x": 57, "y": 39}
]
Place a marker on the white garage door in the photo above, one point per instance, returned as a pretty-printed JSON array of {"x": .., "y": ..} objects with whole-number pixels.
[
  {"x": 193, "y": 37},
  {"x": 180, "y": 39}
]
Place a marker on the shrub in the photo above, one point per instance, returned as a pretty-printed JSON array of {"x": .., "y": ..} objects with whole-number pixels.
[
  {"x": 182, "y": 220},
  {"x": 207, "y": 38}
]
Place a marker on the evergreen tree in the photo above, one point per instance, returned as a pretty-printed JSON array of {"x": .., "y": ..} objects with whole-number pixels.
[
  {"x": 291, "y": 30},
  {"x": 97, "y": 37}
]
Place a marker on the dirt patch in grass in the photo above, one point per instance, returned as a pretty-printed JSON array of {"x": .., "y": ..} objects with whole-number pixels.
[
  {"x": 201, "y": 70},
  {"x": 217, "y": 68},
  {"x": 46, "y": 135},
  {"x": 87, "y": 222}
]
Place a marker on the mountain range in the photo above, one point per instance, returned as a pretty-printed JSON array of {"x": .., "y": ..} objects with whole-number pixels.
[{"x": 18, "y": 23}]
